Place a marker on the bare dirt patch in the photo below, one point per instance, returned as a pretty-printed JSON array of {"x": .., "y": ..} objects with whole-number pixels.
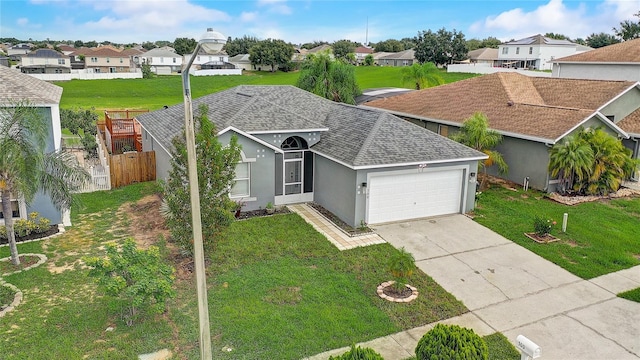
[{"x": 146, "y": 222}]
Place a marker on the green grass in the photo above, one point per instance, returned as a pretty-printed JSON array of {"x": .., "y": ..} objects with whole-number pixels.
[
  {"x": 500, "y": 348},
  {"x": 154, "y": 93},
  {"x": 277, "y": 290},
  {"x": 633, "y": 295},
  {"x": 601, "y": 236}
]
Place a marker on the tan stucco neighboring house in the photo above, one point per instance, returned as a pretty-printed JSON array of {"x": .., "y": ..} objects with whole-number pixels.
[
  {"x": 105, "y": 59},
  {"x": 614, "y": 62},
  {"x": 45, "y": 61}
]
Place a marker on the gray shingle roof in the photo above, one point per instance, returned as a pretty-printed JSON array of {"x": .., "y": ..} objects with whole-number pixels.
[
  {"x": 355, "y": 136},
  {"x": 16, "y": 86}
]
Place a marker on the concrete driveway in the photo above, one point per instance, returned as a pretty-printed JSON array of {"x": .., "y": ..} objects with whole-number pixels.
[{"x": 514, "y": 291}]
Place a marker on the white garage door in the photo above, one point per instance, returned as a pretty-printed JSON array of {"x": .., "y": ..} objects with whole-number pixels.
[{"x": 411, "y": 196}]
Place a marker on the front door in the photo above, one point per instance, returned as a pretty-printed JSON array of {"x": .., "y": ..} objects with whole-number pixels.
[{"x": 293, "y": 165}]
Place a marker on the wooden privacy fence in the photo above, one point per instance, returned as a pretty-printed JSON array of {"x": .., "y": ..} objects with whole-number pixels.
[{"x": 132, "y": 167}]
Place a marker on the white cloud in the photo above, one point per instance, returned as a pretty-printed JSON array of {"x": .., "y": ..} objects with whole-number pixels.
[
  {"x": 248, "y": 16},
  {"x": 276, "y": 6},
  {"x": 22, "y": 21},
  {"x": 558, "y": 17}
]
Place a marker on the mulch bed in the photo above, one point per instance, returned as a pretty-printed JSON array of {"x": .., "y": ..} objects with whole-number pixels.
[
  {"x": 25, "y": 261},
  {"x": 262, "y": 212},
  {"x": 53, "y": 229},
  {"x": 574, "y": 199},
  {"x": 351, "y": 231}
]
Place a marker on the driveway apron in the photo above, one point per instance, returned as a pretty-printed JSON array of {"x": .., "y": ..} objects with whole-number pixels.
[{"x": 516, "y": 292}]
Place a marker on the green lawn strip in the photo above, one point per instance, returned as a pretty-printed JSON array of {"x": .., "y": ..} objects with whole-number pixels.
[
  {"x": 600, "y": 238},
  {"x": 633, "y": 295},
  {"x": 280, "y": 290},
  {"x": 153, "y": 94},
  {"x": 500, "y": 348}
]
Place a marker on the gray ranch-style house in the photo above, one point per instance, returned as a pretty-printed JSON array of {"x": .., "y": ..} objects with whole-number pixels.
[
  {"x": 363, "y": 165},
  {"x": 531, "y": 113},
  {"x": 17, "y": 87}
]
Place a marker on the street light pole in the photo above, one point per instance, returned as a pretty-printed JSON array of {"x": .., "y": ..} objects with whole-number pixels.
[{"x": 211, "y": 40}]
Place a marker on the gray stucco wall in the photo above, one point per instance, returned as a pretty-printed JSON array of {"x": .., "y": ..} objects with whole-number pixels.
[
  {"x": 335, "y": 189},
  {"x": 525, "y": 158},
  {"x": 624, "y": 105},
  {"x": 262, "y": 168},
  {"x": 597, "y": 71}
]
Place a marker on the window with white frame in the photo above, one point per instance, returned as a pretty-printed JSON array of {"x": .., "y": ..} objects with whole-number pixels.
[
  {"x": 60, "y": 61},
  {"x": 242, "y": 181},
  {"x": 517, "y": 51},
  {"x": 15, "y": 209},
  {"x": 505, "y": 50},
  {"x": 530, "y": 50}
]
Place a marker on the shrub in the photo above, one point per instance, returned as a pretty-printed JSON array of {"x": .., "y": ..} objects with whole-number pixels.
[
  {"x": 401, "y": 265},
  {"x": 137, "y": 277},
  {"x": 358, "y": 353},
  {"x": 451, "y": 342},
  {"x": 542, "y": 226}
]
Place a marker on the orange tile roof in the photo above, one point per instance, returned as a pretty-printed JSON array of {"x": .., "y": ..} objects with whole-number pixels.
[
  {"x": 543, "y": 108},
  {"x": 624, "y": 52}
]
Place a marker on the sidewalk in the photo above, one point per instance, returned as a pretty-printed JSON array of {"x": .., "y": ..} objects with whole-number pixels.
[{"x": 514, "y": 291}]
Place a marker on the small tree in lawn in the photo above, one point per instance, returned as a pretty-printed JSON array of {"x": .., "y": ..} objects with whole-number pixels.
[
  {"x": 476, "y": 134},
  {"x": 25, "y": 167},
  {"x": 216, "y": 172},
  {"x": 135, "y": 276}
]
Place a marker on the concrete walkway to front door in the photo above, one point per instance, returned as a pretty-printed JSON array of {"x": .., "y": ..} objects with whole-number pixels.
[{"x": 510, "y": 289}]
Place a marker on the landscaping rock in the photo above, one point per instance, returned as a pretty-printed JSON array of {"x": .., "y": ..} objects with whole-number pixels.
[{"x": 158, "y": 355}]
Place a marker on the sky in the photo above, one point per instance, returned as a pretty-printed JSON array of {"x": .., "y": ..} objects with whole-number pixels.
[{"x": 301, "y": 21}]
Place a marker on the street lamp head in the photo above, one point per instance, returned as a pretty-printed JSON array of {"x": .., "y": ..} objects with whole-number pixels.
[{"x": 212, "y": 41}]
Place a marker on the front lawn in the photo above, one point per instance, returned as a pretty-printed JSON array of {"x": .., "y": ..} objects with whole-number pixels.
[
  {"x": 602, "y": 236},
  {"x": 277, "y": 290},
  {"x": 633, "y": 295}
]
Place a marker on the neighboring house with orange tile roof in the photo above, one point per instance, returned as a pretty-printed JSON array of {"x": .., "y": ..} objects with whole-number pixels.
[
  {"x": 531, "y": 113},
  {"x": 614, "y": 62},
  {"x": 536, "y": 52},
  {"x": 361, "y": 52},
  {"x": 45, "y": 61}
]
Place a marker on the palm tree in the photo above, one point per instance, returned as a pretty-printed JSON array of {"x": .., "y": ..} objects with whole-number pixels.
[
  {"x": 612, "y": 162},
  {"x": 422, "y": 76},
  {"x": 332, "y": 79},
  {"x": 25, "y": 168},
  {"x": 571, "y": 160},
  {"x": 475, "y": 133}
]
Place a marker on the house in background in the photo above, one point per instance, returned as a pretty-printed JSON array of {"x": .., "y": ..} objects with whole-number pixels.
[
  {"x": 241, "y": 61},
  {"x": 531, "y": 113},
  {"x": 536, "y": 52},
  {"x": 362, "y": 165},
  {"x": 614, "y": 62},
  {"x": 45, "y": 61},
  {"x": 361, "y": 52},
  {"x": 16, "y": 51},
  {"x": 163, "y": 61},
  {"x": 483, "y": 56},
  {"x": 105, "y": 59},
  {"x": 402, "y": 58},
  {"x": 16, "y": 87}
]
